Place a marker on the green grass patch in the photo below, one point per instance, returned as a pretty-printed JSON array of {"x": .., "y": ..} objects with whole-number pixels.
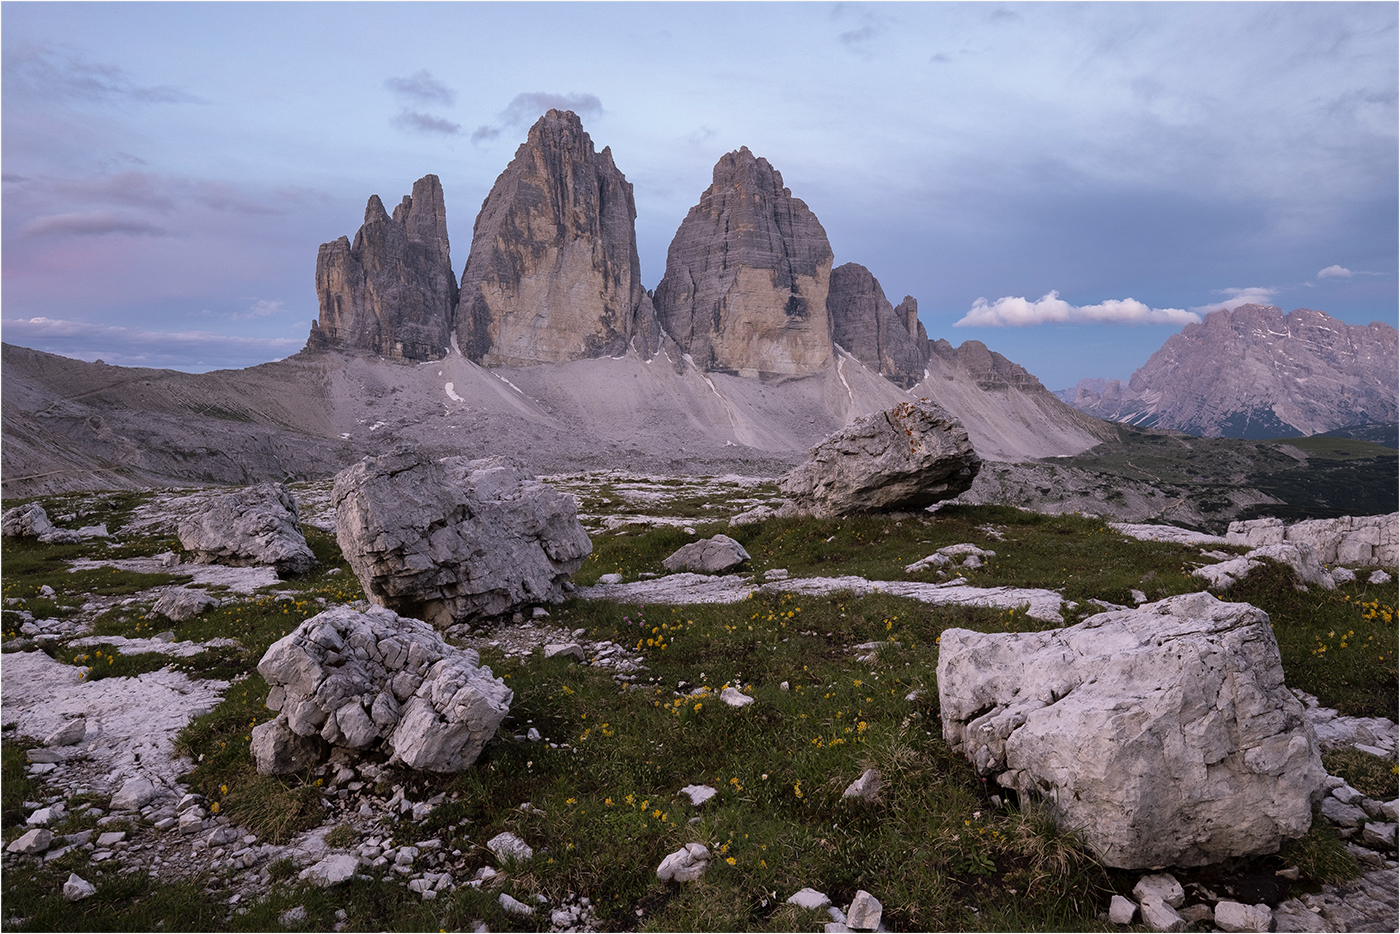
[
  {"x": 1371, "y": 775},
  {"x": 1321, "y": 855}
]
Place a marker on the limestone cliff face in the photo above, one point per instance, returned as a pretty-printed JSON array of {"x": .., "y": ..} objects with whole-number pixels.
[
  {"x": 746, "y": 277},
  {"x": 888, "y": 340},
  {"x": 392, "y": 292},
  {"x": 553, "y": 273}
]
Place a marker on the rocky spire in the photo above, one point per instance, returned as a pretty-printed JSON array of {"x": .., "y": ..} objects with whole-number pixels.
[
  {"x": 888, "y": 340},
  {"x": 746, "y": 276},
  {"x": 393, "y": 291},
  {"x": 553, "y": 273}
]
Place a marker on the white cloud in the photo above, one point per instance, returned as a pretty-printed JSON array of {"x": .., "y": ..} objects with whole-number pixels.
[
  {"x": 1051, "y": 309},
  {"x": 1335, "y": 271},
  {"x": 260, "y": 309},
  {"x": 139, "y": 347},
  {"x": 1234, "y": 298}
]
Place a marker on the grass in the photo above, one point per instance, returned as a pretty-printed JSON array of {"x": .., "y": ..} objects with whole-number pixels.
[
  {"x": 1371, "y": 775},
  {"x": 935, "y": 848}
]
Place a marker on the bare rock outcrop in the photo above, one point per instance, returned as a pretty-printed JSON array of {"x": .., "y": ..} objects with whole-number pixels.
[
  {"x": 257, "y": 526},
  {"x": 452, "y": 540},
  {"x": 1164, "y": 733},
  {"x": 374, "y": 681},
  {"x": 747, "y": 275},
  {"x": 910, "y": 457},
  {"x": 32, "y": 521},
  {"x": 393, "y": 291},
  {"x": 889, "y": 340},
  {"x": 1358, "y": 541},
  {"x": 553, "y": 273}
]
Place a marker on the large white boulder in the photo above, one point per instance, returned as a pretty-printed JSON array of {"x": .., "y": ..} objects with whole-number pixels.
[
  {"x": 707, "y": 556},
  {"x": 455, "y": 539},
  {"x": 257, "y": 526},
  {"x": 375, "y": 680},
  {"x": 1164, "y": 733},
  {"x": 910, "y": 457}
]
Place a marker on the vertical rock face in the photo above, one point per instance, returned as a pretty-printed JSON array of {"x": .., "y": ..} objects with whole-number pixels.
[
  {"x": 746, "y": 278},
  {"x": 888, "y": 340},
  {"x": 393, "y": 291},
  {"x": 553, "y": 273}
]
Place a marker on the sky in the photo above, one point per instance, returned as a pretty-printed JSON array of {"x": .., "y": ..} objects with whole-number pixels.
[{"x": 1068, "y": 183}]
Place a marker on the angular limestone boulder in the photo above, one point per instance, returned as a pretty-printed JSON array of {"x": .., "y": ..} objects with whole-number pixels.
[
  {"x": 1359, "y": 541},
  {"x": 910, "y": 457},
  {"x": 181, "y": 603},
  {"x": 707, "y": 556},
  {"x": 1164, "y": 733},
  {"x": 257, "y": 526},
  {"x": 456, "y": 539},
  {"x": 32, "y": 521},
  {"x": 375, "y": 681}
]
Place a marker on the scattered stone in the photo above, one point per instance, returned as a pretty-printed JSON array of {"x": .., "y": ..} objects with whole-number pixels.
[
  {"x": 255, "y": 526},
  {"x": 1163, "y": 886},
  {"x": 1198, "y": 914},
  {"x": 1343, "y": 575},
  {"x": 69, "y": 734},
  {"x": 332, "y": 870},
  {"x": 685, "y": 865},
  {"x": 866, "y": 788},
  {"x": 1122, "y": 910},
  {"x": 1157, "y": 915},
  {"x": 910, "y": 457},
  {"x": 1299, "y": 556},
  {"x": 111, "y": 838},
  {"x": 810, "y": 899},
  {"x": 570, "y": 650},
  {"x": 513, "y": 907},
  {"x": 1343, "y": 815},
  {"x": 1355, "y": 540},
  {"x": 182, "y": 603},
  {"x": 708, "y": 556},
  {"x": 77, "y": 888},
  {"x": 362, "y": 681},
  {"x": 734, "y": 697},
  {"x": 1236, "y": 778},
  {"x": 864, "y": 912},
  {"x": 1379, "y": 577},
  {"x": 31, "y": 843},
  {"x": 698, "y": 794},
  {"x": 134, "y": 794},
  {"x": 455, "y": 539},
  {"x": 46, "y": 815},
  {"x": 1379, "y": 836},
  {"x": 1233, "y": 916},
  {"x": 292, "y": 916},
  {"x": 610, "y": 579},
  {"x": 775, "y": 574},
  {"x": 31, "y": 521},
  {"x": 507, "y": 846}
]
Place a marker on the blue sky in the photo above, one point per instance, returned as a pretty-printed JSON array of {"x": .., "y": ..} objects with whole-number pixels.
[{"x": 1067, "y": 183}]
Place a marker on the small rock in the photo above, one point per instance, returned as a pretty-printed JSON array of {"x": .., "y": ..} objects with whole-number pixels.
[
  {"x": 735, "y": 698},
  {"x": 134, "y": 794},
  {"x": 610, "y": 579},
  {"x": 292, "y": 916},
  {"x": 714, "y": 555},
  {"x": 1159, "y": 916},
  {"x": 1233, "y": 916},
  {"x": 810, "y": 899},
  {"x": 567, "y": 649},
  {"x": 1163, "y": 886},
  {"x": 32, "y": 843},
  {"x": 698, "y": 794},
  {"x": 1137, "y": 596},
  {"x": 1391, "y": 810},
  {"x": 1342, "y": 814},
  {"x": 77, "y": 888},
  {"x": 45, "y": 816},
  {"x": 513, "y": 907},
  {"x": 1378, "y": 577},
  {"x": 1197, "y": 914},
  {"x": 1122, "y": 910},
  {"x": 332, "y": 870},
  {"x": 685, "y": 865},
  {"x": 864, "y": 913},
  {"x": 507, "y": 846},
  {"x": 111, "y": 838},
  {"x": 192, "y": 820},
  {"x": 1347, "y": 794},
  {"x": 775, "y": 574},
  {"x": 67, "y": 735},
  {"x": 1379, "y": 836},
  {"x": 866, "y": 788}
]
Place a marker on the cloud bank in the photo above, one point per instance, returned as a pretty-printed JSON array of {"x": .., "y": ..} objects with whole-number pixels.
[
  {"x": 1335, "y": 271},
  {"x": 93, "y": 223},
  {"x": 1051, "y": 309},
  {"x": 1234, "y": 298}
]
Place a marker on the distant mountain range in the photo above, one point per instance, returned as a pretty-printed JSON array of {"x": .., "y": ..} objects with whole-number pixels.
[{"x": 1257, "y": 373}]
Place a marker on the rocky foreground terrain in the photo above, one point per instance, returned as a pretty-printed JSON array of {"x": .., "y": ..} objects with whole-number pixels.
[{"x": 117, "y": 787}]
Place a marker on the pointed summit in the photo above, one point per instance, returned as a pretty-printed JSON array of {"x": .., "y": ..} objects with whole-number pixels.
[
  {"x": 746, "y": 276},
  {"x": 393, "y": 291},
  {"x": 553, "y": 273},
  {"x": 889, "y": 340}
]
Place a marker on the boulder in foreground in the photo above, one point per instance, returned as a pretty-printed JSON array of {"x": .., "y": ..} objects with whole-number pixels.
[
  {"x": 452, "y": 540},
  {"x": 707, "y": 556},
  {"x": 372, "y": 681},
  {"x": 1164, "y": 733},
  {"x": 910, "y": 457},
  {"x": 256, "y": 526}
]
